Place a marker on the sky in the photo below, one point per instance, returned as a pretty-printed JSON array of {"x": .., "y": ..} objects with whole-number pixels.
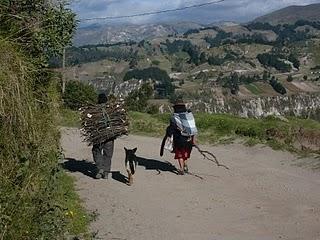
[{"x": 229, "y": 10}]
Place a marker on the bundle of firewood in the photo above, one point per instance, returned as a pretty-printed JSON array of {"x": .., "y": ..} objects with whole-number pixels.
[{"x": 103, "y": 122}]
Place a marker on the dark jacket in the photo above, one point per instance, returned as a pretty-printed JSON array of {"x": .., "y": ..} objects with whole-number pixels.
[{"x": 179, "y": 141}]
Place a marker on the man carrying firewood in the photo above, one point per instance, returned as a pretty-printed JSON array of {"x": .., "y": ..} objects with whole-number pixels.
[{"x": 103, "y": 152}]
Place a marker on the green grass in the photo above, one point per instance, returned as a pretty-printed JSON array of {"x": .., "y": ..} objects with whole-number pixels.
[
  {"x": 254, "y": 89},
  {"x": 37, "y": 199},
  {"x": 75, "y": 215},
  {"x": 69, "y": 118},
  {"x": 224, "y": 129},
  {"x": 221, "y": 128},
  {"x": 315, "y": 50},
  {"x": 146, "y": 124}
]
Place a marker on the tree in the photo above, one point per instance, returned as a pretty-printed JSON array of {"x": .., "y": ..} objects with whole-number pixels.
[
  {"x": 155, "y": 62},
  {"x": 138, "y": 99},
  {"x": 277, "y": 86},
  {"x": 164, "y": 84},
  {"x": 234, "y": 83},
  {"x": 203, "y": 58},
  {"x": 273, "y": 60},
  {"x": 31, "y": 31},
  {"x": 78, "y": 94},
  {"x": 133, "y": 63},
  {"x": 42, "y": 27},
  {"x": 265, "y": 76},
  {"x": 295, "y": 61},
  {"x": 215, "y": 60},
  {"x": 134, "y": 60}
]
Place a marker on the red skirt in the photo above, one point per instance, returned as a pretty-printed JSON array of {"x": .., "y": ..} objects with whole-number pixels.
[{"x": 183, "y": 153}]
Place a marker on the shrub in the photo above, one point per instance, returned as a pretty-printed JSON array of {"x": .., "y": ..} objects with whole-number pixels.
[
  {"x": 164, "y": 85},
  {"x": 155, "y": 62},
  {"x": 78, "y": 94},
  {"x": 290, "y": 78},
  {"x": 277, "y": 86},
  {"x": 273, "y": 60},
  {"x": 138, "y": 99},
  {"x": 29, "y": 151},
  {"x": 32, "y": 200}
]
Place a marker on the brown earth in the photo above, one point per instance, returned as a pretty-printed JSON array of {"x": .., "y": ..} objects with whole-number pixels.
[{"x": 264, "y": 196}]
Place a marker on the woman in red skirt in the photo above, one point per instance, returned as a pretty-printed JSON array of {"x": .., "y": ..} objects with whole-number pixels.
[{"x": 182, "y": 145}]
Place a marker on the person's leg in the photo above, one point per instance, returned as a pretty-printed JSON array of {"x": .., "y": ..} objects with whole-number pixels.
[
  {"x": 108, "y": 148},
  {"x": 181, "y": 164},
  {"x": 179, "y": 156},
  {"x": 185, "y": 168},
  {"x": 98, "y": 159},
  {"x": 187, "y": 157}
]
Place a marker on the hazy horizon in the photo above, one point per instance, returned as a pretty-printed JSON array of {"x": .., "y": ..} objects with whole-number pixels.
[{"x": 235, "y": 11}]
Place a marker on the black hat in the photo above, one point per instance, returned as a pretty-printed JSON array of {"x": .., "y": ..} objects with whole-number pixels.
[
  {"x": 102, "y": 98},
  {"x": 179, "y": 102}
]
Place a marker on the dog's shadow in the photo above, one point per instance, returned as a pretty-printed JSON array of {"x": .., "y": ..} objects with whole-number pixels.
[
  {"x": 118, "y": 176},
  {"x": 159, "y": 166}
]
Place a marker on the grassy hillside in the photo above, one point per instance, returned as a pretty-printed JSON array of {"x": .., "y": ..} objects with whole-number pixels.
[
  {"x": 37, "y": 198},
  {"x": 292, "y": 14},
  {"x": 206, "y": 58},
  {"x": 292, "y": 134},
  {"x": 35, "y": 194}
]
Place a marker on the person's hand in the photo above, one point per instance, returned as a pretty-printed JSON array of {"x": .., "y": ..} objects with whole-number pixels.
[{"x": 194, "y": 140}]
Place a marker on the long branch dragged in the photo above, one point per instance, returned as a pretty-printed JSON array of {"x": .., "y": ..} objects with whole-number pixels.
[
  {"x": 213, "y": 159},
  {"x": 103, "y": 122}
]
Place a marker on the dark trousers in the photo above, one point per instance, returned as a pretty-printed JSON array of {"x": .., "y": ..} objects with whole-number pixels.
[{"x": 102, "y": 155}]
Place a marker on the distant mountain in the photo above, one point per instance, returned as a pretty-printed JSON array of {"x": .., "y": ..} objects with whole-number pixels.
[
  {"x": 96, "y": 34},
  {"x": 223, "y": 24},
  {"x": 292, "y": 14},
  {"x": 102, "y": 34}
]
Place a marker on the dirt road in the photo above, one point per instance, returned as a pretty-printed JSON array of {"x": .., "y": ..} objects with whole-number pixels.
[{"x": 264, "y": 196}]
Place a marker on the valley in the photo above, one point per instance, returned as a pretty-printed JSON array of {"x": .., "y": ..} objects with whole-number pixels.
[{"x": 227, "y": 63}]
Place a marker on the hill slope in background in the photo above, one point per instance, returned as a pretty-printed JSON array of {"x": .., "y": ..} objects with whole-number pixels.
[
  {"x": 101, "y": 34},
  {"x": 291, "y": 14}
]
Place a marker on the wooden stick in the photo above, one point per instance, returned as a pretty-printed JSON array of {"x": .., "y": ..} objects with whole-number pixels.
[{"x": 215, "y": 160}]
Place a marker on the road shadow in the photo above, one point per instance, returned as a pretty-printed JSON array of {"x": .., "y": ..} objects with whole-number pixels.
[
  {"x": 159, "y": 166},
  {"x": 89, "y": 169},
  {"x": 82, "y": 166}
]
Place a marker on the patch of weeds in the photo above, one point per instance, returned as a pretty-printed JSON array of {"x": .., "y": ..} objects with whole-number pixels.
[
  {"x": 146, "y": 124},
  {"x": 227, "y": 140},
  {"x": 69, "y": 118},
  {"x": 252, "y": 142},
  {"x": 76, "y": 217},
  {"x": 254, "y": 89},
  {"x": 223, "y": 128},
  {"x": 275, "y": 145}
]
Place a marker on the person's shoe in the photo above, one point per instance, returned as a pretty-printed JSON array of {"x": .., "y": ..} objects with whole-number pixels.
[
  {"x": 180, "y": 172},
  {"x": 186, "y": 169},
  {"x": 105, "y": 175},
  {"x": 99, "y": 175}
]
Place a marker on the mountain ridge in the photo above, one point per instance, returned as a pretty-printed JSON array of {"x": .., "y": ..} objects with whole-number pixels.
[
  {"x": 106, "y": 34},
  {"x": 291, "y": 14}
]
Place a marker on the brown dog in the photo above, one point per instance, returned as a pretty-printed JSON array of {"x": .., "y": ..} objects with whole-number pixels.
[{"x": 130, "y": 163}]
